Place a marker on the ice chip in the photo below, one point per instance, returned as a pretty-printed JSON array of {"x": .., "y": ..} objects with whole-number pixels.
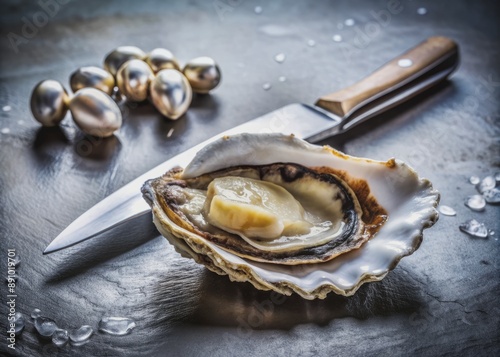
[
  {"x": 116, "y": 325},
  {"x": 486, "y": 184},
  {"x": 19, "y": 322},
  {"x": 447, "y": 210},
  {"x": 474, "y": 228},
  {"x": 45, "y": 326},
  {"x": 60, "y": 337},
  {"x": 492, "y": 196},
  {"x": 474, "y": 180},
  {"x": 36, "y": 313},
  {"x": 475, "y": 203},
  {"x": 81, "y": 334}
]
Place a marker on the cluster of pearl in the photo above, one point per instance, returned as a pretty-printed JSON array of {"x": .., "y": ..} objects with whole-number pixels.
[{"x": 130, "y": 72}]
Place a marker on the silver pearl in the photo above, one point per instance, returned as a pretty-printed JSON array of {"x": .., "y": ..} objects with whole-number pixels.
[
  {"x": 203, "y": 74},
  {"x": 133, "y": 80},
  {"x": 171, "y": 93},
  {"x": 116, "y": 58},
  {"x": 160, "y": 58},
  {"x": 49, "y": 102},
  {"x": 93, "y": 77},
  {"x": 95, "y": 113}
]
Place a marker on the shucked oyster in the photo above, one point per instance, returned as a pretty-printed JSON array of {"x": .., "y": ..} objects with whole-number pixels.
[
  {"x": 276, "y": 213},
  {"x": 267, "y": 208}
]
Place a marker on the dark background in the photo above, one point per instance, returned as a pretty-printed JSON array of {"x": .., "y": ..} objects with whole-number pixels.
[{"x": 442, "y": 300}]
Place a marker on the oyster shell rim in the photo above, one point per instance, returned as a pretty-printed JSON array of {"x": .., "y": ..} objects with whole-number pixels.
[
  {"x": 424, "y": 197},
  {"x": 244, "y": 273}
]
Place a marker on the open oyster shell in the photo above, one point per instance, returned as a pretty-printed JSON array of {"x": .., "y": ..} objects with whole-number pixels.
[{"x": 396, "y": 206}]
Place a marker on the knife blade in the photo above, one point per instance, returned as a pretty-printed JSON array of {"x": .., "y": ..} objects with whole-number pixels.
[{"x": 397, "y": 81}]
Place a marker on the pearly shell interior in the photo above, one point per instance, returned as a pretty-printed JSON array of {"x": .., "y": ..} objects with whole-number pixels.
[{"x": 409, "y": 200}]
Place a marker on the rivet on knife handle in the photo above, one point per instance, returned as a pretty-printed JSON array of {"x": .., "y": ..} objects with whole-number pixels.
[{"x": 391, "y": 76}]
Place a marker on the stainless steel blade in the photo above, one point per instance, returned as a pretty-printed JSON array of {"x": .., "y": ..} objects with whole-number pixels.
[{"x": 127, "y": 203}]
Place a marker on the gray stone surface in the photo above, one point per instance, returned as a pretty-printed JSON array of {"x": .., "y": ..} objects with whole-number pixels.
[{"x": 442, "y": 300}]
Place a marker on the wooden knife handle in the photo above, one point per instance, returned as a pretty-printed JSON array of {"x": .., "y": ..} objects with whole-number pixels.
[{"x": 390, "y": 76}]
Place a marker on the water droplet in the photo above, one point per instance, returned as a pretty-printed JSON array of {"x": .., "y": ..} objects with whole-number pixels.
[
  {"x": 36, "y": 313},
  {"x": 497, "y": 176},
  {"x": 20, "y": 122},
  {"x": 116, "y": 325},
  {"x": 81, "y": 334},
  {"x": 337, "y": 38},
  {"x": 60, "y": 337},
  {"x": 276, "y": 30},
  {"x": 19, "y": 322},
  {"x": 447, "y": 210},
  {"x": 340, "y": 25},
  {"x": 405, "y": 62},
  {"x": 170, "y": 132},
  {"x": 349, "y": 22},
  {"x": 492, "y": 232},
  {"x": 474, "y": 228},
  {"x": 266, "y": 86},
  {"x": 6, "y": 108},
  {"x": 280, "y": 57},
  {"x": 45, "y": 326},
  {"x": 311, "y": 43},
  {"x": 475, "y": 203},
  {"x": 421, "y": 11},
  {"x": 258, "y": 10},
  {"x": 474, "y": 180},
  {"x": 492, "y": 196},
  {"x": 5, "y": 130},
  {"x": 486, "y": 184},
  {"x": 282, "y": 79}
]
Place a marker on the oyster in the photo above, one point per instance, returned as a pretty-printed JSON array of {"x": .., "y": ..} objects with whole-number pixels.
[{"x": 289, "y": 216}]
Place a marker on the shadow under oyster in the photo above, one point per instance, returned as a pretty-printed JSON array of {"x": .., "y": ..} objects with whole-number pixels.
[{"x": 268, "y": 201}]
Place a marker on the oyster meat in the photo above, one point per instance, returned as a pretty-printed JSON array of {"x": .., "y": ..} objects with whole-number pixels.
[{"x": 257, "y": 206}]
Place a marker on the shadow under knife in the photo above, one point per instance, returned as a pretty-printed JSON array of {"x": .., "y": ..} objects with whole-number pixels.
[
  {"x": 110, "y": 244},
  {"x": 397, "y": 116}
]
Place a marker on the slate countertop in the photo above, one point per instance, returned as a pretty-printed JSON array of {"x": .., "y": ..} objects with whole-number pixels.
[{"x": 442, "y": 300}]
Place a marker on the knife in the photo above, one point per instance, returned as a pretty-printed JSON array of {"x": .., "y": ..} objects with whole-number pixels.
[{"x": 395, "y": 82}]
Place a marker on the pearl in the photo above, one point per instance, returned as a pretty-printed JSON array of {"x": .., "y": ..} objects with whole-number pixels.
[
  {"x": 49, "y": 102},
  {"x": 116, "y": 58},
  {"x": 203, "y": 74},
  {"x": 94, "y": 77},
  {"x": 95, "y": 113},
  {"x": 160, "y": 58},
  {"x": 133, "y": 80},
  {"x": 171, "y": 93}
]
